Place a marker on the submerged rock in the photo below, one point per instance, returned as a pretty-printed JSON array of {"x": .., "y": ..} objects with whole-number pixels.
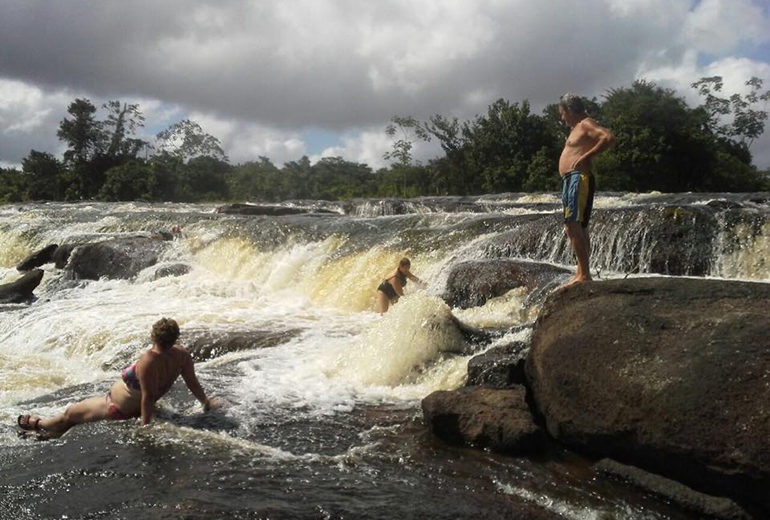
[
  {"x": 20, "y": 290},
  {"x": 38, "y": 258},
  {"x": 204, "y": 344},
  {"x": 119, "y": 258},
  {"x": 485, "y": 417},
  {"x": 701, "y": 503},
  {"x": 272, "y": 210},
  {"x": 172, "y": 270},
  {"x": 671, "y": 375},
  {"x": 472, "y": 283}
]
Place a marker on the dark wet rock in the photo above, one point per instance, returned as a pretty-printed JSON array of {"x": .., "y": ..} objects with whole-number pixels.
[
  {"x": 472, "y": 283},
  {"x": 672, "y": 491},
  {"x": 38, "y": 258},
  {"x": 485, "y": 417},
  {"x": 119, "y": 258},
  {"x": 172, "y": 270},
  {"x": 671, "y": 375},
  {"x": 724, "y": 204},
  {"x": 62, "y": 254},
  {"x": 204, "y": 344},
  {"x": 20, "y": 290},
  {"x": 268, "y": 210},
  {"x": 499, "y": 367}
]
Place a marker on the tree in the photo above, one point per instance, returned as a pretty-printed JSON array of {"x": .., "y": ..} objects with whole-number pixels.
[
  {"x": 187, "y": 140},
  {"x": 736, "y": 117},
  {"x": 134, "y": 180},
  {"x": 45, "y": 175},
  {"x": 117, "y": 130},
  {"x": 404, "y": 130},
  {"x": 660, "y": 143}
]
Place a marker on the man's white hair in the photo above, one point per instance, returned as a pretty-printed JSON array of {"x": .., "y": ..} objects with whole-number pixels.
[{"x": 573, "y": 103}]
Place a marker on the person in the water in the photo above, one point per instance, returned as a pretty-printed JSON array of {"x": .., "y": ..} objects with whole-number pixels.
[
  {"x": 135, "y": 393},
  {"x": 585, "y": 141},
  {"x": 392, "y": 287}
]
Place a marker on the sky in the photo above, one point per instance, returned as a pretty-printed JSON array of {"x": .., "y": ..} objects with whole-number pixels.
[{"x": 322, "y": 78}]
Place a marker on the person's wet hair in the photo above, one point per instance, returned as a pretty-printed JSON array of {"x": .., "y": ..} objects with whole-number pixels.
[
  {"x": 405, "y": 262},
  {"x": 573, "y": 103},
  {"x": 165, "y": 332}
]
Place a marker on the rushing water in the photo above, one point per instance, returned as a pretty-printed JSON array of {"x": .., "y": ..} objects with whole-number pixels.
[{"x": 325, "y": 422}]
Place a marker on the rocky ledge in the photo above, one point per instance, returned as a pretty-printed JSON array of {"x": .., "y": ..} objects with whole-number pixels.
[{"x": 669, "y": 375}]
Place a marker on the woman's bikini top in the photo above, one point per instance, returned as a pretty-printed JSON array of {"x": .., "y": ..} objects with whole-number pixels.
[
  {"x": 130, "y": 378},
  {"x": 401, "y": 278}
]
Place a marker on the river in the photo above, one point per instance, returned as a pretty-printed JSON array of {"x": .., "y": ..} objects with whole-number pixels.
[{"x": 324, "y": 417}]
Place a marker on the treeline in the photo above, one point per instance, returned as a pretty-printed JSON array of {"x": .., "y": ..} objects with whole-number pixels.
[{"x": 661, "y": 144}]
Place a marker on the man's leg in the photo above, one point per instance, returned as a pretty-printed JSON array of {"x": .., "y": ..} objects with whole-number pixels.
[{"x": 578, "y": 237}]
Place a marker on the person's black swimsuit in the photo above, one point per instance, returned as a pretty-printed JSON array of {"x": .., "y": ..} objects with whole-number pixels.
[{"x": 388, "y": 289}]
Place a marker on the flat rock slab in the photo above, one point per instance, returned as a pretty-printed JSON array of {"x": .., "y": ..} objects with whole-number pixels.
[
  {"x": 484, "y": 417},
  {"x": 671, "y": 375}
]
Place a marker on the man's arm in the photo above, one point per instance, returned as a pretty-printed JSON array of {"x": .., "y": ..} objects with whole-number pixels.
[{"x": 602, "y": 139}]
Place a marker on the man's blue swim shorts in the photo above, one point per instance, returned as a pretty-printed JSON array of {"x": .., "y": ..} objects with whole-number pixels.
[{"x": 577, "y": 196}]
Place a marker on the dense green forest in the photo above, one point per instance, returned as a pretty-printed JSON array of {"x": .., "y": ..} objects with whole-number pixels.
[{"x": 661, "y": 144}]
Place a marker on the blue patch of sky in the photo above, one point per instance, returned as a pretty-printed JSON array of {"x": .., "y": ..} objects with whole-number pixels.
[{"x": 318, "y": 139}]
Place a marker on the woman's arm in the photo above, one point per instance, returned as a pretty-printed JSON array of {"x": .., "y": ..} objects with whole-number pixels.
[
  {"x": 191, "y": 380},
  {"x": 416, "y": 280},
  {"x": 147, "y": 374}
]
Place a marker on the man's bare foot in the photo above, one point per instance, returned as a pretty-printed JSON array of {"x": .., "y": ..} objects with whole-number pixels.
[{"x": 577, "y": 280}]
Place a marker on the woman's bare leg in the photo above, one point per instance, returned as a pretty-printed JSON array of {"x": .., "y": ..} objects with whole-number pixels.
[
  {"x": 383, "y": 302},
  {"x": 87, "y": 410}
]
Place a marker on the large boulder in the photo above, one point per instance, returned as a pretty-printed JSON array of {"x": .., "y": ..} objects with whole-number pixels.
[
  {"x": 38, "y": 258},
  {"x": 119, "y": 258},
  {"x": 20, "y": 290},
  {"x": 671, "y": 375},
  {"x": 485, "y": 417},
  {"x": 472, "y": 283}
]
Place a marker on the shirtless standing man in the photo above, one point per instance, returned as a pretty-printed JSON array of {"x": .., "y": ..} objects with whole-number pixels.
[{"x": 586, "y": 139}]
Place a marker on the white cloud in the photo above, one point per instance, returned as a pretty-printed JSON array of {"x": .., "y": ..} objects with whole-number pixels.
[
  {"x": 258, "y": 73},
  {"x": 719, "y": 26}
]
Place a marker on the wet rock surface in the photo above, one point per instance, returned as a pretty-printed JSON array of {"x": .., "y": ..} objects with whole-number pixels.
[
  {"x": 268, "y": 210},
  {"x": 472, "y": 283},
  {"x": 484, "y": 417},
  {"x": 20, "y": 291},
  {"x": 671, "y": 375},
  {"x": 119, "y": 258},
  {"x": 499, "y": 367},
  {"x": 205, "y": 344},
  {"x": 38, "y": 258},
  {"x": 700, "y": 503}
]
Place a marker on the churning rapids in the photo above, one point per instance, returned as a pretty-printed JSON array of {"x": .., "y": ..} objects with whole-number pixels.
[{"x": 324, "y": 418}]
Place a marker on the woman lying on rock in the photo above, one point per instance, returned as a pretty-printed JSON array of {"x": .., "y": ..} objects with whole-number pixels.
[{"x": 135, "y": 394}]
